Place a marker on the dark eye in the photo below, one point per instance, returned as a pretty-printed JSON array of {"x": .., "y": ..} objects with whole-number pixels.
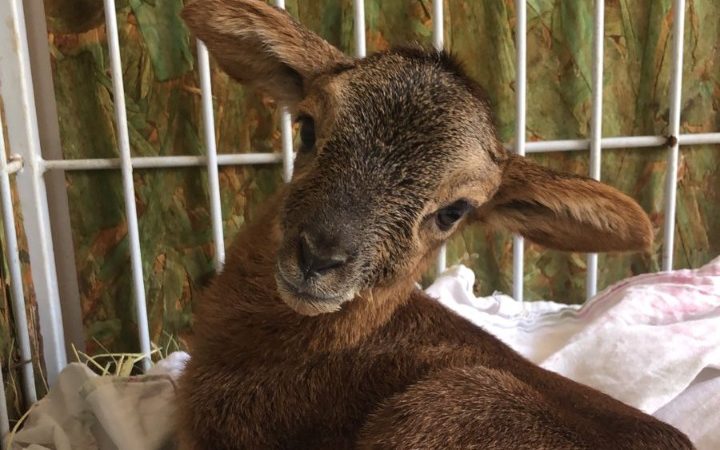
[
  {"x": 447, "y": 216},
  {"x": 307, "y": 133}
]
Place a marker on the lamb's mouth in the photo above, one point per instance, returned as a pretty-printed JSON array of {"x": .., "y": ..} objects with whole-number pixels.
[{"x": 306, "y": 303}]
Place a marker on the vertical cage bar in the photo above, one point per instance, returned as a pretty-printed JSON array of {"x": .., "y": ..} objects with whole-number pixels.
[
  {"x": 48, "y": 126},
  {"x": 359, "y": 16},
  {"x": 211, "y": 146},
  {"x": 287, "y": 144},
  {"x": 438, "y": 25},
  {"x": 521, "y": 88},
  {"x": 596, "y": 127},
  {"x": 288, "y": 156},
  {"x": 674, "y": 129},
  {"x": 438, "y": 42},
  {"x": 13, "y": 259},
  {"x": 127, "y": 179},
  {"x": 18, "y": 99}
]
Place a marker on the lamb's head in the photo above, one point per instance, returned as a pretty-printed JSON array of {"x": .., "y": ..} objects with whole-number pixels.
[{"x": 396, "y": 151}]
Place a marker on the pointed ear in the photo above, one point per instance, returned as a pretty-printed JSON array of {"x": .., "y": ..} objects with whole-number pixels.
[
  {"x": 565, "y": 212},
  {"x": 260, "y": 45}
]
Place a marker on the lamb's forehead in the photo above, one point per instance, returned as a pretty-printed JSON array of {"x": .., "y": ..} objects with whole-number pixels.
[
  {"x": 406, "y": 97},
  {"x": 398, "y": 81},
  {"x": 405, "y": 121}
]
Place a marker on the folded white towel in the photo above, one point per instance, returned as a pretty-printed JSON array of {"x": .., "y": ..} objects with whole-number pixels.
[{"x": 85, "y": 411}]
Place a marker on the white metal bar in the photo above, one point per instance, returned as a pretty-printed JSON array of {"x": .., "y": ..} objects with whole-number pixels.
[
  {"x": 212, "y": 160},
  {"x": 569, "y": 145},
  {"x": 127, "y": 179},
  {"x": 359, "y": 15},
  {"x": 596, "y": 127},
  {"x": 18, "y": 296},
  {"x": 288, "y": 156},
  {"x": 441, "y": 261},
  {"x": 157, "y": 162},
  {"x": 698, "y": 139},
  {"x": 438, "y": 42},
  {"x": 56, "y": 186},
  {"x": 18, "y": 99},
  {"x": 674, "y": 129},
  {"x": 438, "y": 22},
  {"x": 520, "y": 92}
]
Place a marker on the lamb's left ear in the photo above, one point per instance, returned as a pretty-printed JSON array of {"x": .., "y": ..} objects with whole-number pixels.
[
  {"x": 565, "y": 212},
  {"x": 261, "y": 45}
]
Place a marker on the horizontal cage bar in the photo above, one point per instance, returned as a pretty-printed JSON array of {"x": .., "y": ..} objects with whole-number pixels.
[{"x": 234, "y": 159}]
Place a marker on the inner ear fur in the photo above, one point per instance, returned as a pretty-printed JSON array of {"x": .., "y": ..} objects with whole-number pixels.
[
  {"x": 565, "y": 212},
  {"x": 261, "y": 45}
]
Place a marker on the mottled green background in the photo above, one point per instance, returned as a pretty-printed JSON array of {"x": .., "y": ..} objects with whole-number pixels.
[{"x": 163, "y": 102}]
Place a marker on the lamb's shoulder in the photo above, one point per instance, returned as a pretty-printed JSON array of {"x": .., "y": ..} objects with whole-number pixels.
[{"x": 425, "y": 329}]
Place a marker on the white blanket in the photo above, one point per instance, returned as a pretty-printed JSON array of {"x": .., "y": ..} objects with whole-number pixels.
[{"x": 652, "y": 341}]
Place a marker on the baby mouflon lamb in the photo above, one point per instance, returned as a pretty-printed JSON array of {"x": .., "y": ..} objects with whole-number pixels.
[{"x": 315, "y": 336}]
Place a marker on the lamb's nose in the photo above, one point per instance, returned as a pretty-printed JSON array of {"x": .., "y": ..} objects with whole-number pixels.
[{"x": 319, "y": 255}]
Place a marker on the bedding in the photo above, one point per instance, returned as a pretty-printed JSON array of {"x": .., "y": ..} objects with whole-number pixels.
[{"x": 652, "y": 341}]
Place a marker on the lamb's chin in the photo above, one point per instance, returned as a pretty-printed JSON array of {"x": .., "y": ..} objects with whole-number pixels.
[
  {"x": 306, "y": 304},
  {"x": 310, "y": 308}
]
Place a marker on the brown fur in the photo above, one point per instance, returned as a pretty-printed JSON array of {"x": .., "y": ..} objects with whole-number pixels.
[{"x": 315, "y": 336}]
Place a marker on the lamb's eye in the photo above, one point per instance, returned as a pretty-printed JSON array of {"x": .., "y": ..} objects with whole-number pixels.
[
  {"x": 307, "y": 133},
  {"x": 447, "y": 216}
]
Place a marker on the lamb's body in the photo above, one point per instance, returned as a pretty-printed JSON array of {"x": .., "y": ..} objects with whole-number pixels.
[
  {"x": 314, "y": 336},
  {"x": 400, "y": 373}
]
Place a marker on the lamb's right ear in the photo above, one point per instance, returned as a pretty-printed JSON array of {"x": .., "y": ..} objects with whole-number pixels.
[{"x": 260, "y": 45}]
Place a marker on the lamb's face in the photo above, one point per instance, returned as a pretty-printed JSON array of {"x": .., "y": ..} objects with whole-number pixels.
[
  {"x": 394, "y": 152},
  {"x": 397, "y": 148}
]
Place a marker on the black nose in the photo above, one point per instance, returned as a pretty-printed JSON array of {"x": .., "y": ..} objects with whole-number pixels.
[{"x": 319, "y": 254}]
